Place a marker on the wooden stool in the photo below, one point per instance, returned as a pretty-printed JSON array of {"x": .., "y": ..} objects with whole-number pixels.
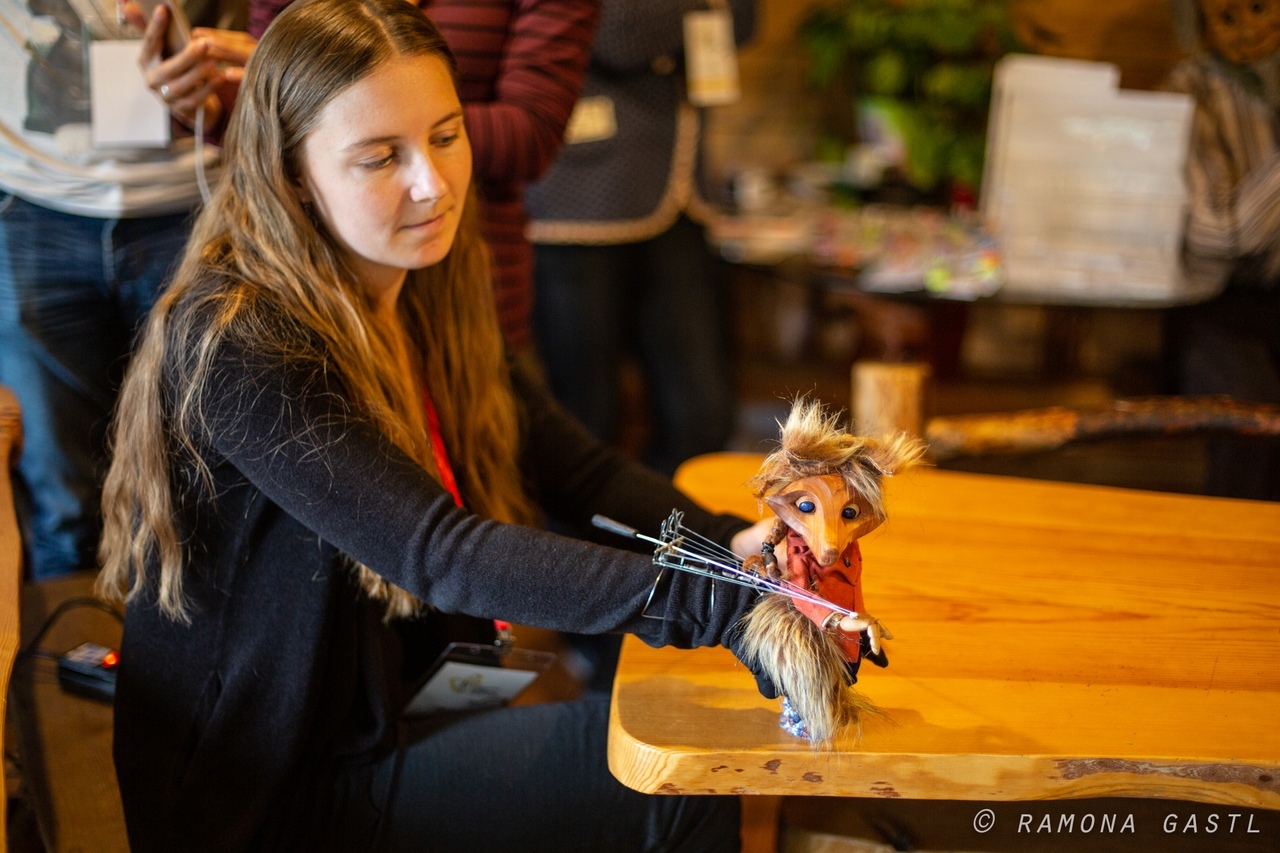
[{"x": 888, "y": 397}]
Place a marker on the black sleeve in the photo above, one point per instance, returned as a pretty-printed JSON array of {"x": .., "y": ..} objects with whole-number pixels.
[{"x": 287, "y": 427}]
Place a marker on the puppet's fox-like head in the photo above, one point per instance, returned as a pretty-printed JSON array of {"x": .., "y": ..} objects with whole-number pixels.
[{"x": 825, "y": 483}]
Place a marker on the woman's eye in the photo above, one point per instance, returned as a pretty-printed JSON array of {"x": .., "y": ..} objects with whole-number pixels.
[
  {"x": 806, "y": 506},
  {"x": 849, "y": 512},
  {"x": 445, "y": 140},
  {"x": 379, "y": 163}
]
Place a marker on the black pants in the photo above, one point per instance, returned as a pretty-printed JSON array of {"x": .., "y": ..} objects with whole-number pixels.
[
  {"x": 1231, "y": 345},
  {"x": 534, "y": 778},
  {"x": 661, "y": 300}
]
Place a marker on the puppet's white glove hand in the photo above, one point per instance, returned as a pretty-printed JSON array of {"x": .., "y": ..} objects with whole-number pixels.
[{"x": 863, "y": 622}]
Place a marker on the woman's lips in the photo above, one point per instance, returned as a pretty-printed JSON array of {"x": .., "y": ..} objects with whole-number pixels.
[{"x": 428, "y": 224}]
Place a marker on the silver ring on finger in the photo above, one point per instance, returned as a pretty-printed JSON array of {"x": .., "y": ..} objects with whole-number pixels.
[{"x": 164, "y": 91}]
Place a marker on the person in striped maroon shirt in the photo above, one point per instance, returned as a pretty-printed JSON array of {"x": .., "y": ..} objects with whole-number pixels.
[
  {"x": 1231, "y": 345},
  {"x": 521, "y": 65}
]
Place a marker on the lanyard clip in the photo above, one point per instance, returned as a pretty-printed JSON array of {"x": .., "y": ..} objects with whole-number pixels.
[{"x": 505, "y": 638}]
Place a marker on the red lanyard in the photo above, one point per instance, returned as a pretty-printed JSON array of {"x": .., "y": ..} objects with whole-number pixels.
[
  {"x": 437, "y": 448},
  {"x": 451, "y": 484}
]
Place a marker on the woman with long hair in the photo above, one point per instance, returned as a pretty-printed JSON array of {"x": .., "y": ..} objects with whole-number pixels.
[{"x": 320, "y": 452}]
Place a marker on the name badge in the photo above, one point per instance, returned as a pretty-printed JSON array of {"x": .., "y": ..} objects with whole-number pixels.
[
  {"x": 711, "y": 60},
  {"x": 592, "y": 120},
  {"x": 471, "y": 677}
]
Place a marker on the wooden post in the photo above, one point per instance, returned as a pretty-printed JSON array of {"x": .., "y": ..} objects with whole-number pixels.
[{"x": 888, "y": 397}]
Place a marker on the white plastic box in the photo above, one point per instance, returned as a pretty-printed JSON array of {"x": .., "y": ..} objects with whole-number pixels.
[{"x": 1084, "y": 183}]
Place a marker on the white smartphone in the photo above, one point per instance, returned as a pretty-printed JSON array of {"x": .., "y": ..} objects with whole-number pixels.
[{"x": 178, "y": 33}]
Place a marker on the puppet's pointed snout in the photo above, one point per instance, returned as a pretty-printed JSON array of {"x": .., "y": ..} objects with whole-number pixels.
[
  {"x": 831, "y": 539},
  {"x": 814, "y": 508}
]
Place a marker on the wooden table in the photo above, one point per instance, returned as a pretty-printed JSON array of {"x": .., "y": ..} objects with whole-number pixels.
[{"x": 1052, "y": 641}]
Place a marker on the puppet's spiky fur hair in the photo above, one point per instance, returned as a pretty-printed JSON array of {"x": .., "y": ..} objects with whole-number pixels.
[
  {"x": 807, "y": 666},
  {"x": 804, "y": 661},
  {"x": 813, "y": 445}
]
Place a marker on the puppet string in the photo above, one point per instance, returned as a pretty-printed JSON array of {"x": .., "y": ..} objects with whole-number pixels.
[{"x": 689, "y": 551}]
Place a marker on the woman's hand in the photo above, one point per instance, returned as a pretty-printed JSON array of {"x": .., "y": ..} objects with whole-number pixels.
[
  {"x": 746, "y": 543},
  {"x": 204, "y": 73},
  {"x": 228, "y": 47}
]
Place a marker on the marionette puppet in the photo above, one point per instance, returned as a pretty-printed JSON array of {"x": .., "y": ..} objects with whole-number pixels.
[
  {"x": 824, "y": 485},
  {"x": 810, "y": 630}
]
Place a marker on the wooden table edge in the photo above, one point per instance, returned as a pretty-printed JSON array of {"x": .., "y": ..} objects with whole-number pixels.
[{"x": 650, "y": 769}]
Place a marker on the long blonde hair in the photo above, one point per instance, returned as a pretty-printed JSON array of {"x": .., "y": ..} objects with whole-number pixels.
[{"x": 256, "y": 256}]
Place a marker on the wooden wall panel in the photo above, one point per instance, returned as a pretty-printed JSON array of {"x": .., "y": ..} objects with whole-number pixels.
[{"x": 1137, "y": 35}]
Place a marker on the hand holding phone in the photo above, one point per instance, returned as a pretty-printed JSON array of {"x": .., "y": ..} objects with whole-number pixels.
[{"x": 177, "y": 31}]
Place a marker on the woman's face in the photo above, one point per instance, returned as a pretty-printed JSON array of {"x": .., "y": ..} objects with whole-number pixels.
[{"x": 387, "y": 168}]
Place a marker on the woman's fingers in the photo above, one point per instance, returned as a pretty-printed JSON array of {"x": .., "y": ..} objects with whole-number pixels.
[
  {"x": 188, "y": 92},
  {"x": 229, "y": 46},
  {"x": 747, "y": 542},
  {"x": 191, "y": 60},
  {"x": 184, "y": 81},
  {"x": 186, "y": 107},
  {"x": 192, "y": 77},
  {"x": 131, "y": 13},
  {"x": 153, "y": 38}
]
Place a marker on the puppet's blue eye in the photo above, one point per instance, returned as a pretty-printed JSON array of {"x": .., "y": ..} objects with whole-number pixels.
[
  {"x": 849, "y": 512},
  {"x": 806, "y": 506}
]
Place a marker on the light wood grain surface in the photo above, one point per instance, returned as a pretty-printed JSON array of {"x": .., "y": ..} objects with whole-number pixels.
[
  {"x": 10, "y": 566},
  {"x": 1051, "y": 640}
]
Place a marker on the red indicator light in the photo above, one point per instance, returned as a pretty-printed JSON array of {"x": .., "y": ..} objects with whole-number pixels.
[{"x": 110, "y": 659}]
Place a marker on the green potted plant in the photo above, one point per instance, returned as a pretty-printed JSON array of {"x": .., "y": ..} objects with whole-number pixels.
[{"x": 907, "y": 85}]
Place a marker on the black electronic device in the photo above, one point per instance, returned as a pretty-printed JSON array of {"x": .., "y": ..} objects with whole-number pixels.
[{"x": 89, "y": 670}]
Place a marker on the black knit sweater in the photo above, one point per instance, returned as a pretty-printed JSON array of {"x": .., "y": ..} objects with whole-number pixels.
[{"x": 230, "y": 731}]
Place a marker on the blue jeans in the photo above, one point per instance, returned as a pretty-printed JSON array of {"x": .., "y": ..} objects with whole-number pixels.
[
  {"x": 661, "y": 299},
  {"x": 73, "y": 292}
]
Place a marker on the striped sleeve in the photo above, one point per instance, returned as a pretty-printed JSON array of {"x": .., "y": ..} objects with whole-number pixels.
[
  {"x": 1233, "y": 168},
  {"x": 540, "y": 49},
  {"x": 262, "y": 13}
]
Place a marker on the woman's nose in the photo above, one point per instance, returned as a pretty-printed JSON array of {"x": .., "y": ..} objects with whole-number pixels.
[{"x": 427, "y": 184}]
